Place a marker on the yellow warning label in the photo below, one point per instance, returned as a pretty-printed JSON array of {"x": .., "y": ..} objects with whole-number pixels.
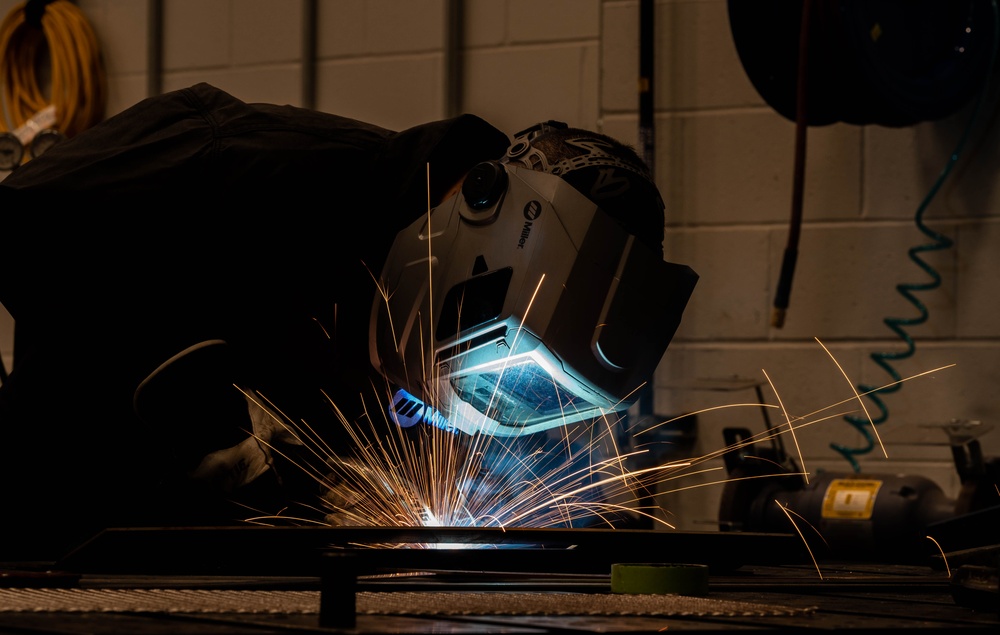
[{"x": 850, "y": 498}]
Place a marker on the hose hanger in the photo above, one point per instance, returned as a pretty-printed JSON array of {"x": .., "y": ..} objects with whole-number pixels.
[
  {"x": 31, "y": 139},
  {"x": 50, "y": 57}
]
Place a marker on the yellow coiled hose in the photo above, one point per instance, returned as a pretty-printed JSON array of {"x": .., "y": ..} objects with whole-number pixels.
[{"x": 63, "y": 53}]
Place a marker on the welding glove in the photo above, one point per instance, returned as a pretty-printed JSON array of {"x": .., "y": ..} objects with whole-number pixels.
[
  {"x": 342, "y": 497},
  {"x": 220, "y": 438},
  {"x": 231, "y": 468}
]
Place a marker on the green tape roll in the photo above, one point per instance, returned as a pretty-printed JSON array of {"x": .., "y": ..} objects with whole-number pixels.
[{"x": 682, "y": 579}]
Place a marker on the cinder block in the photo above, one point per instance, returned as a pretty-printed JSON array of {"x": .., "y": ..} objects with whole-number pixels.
[
  {"x": 738, "y": 167},
  {"x": 695, "y": 65},
  {"x": 415, "y": 26},
  {"x": 845, "y": 283},
  {"x": 976, "y": 288},
  {"x": 485, "y": 24},
  {"x": 125, "y": 91},
  {"x": 358, "y": 28},
  {"x": 516, "y": 87},
  {"x": 266, "y": 32},
  {"x": 395, "y": 93},
  {"x": 624, "y": 127},
  {"x": 950, "y": 380},
  {"x": 341, "y": 28},
  {"x": 909, "y": 169},
  {"x": 553, "y": 20},
  {"x": 969, "y": 189},
  {"x": 730, "y": 299},
  {"x": 197, "y": 34},
  {"x": 121, "y": 28}
]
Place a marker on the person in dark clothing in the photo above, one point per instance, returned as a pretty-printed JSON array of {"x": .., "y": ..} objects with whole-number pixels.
[{"x": 187, "y": 259}]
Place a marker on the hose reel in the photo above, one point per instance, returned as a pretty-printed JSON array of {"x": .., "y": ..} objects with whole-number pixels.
[{"x": 884, "y": 62}]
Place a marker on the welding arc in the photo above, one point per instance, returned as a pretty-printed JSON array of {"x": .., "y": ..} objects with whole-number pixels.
[
  {"x": 784, "y": 289},
  {"x": 907, "y": 290},
  {"x": 57, "y": 31}
]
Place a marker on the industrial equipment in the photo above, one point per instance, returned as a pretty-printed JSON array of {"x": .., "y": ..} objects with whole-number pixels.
[{"x": 864, "y": 516}]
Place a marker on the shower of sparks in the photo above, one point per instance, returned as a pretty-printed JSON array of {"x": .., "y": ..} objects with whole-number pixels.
[
  {"x": 438, "y": 478},
  {"x": 582, "y": 474},
  {"x": 574, "y": 476}
]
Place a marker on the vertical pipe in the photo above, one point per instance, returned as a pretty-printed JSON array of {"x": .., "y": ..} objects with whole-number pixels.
[
  {"x": 647, "y": 139},
  {"x": 647, "y": 134},
  {"x": 310, "y": 13},
  {"x": 454, "y": 32},
  {"x": 784, "y": 289},
  {"x": 154, "y": 48},
  {"x": 647, "y": 148}
]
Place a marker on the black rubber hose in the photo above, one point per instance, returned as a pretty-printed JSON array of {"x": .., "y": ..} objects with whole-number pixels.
[{"x": 784, "y": 290}]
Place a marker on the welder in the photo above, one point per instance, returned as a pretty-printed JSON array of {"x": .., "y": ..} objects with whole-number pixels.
[{"x": 195, "y": 255}]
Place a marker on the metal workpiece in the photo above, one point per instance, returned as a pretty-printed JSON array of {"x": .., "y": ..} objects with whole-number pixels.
[
  {"x": 303, "y": 551},
  {"x": 460, "y": 593}
]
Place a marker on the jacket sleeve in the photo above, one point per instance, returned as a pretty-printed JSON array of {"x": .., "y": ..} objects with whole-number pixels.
[
  {"x": 154, "y": 142},
  {"x": 201, "y": 143}
]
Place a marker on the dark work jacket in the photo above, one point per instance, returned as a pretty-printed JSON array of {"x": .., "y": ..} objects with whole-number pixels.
[{"x": 188, "y": 217}]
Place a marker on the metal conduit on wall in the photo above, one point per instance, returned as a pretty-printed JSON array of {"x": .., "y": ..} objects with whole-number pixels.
[
  {"x": 154, "y": 48},
  {"x": 310, "y": 13},
  {"x": 454, "y": 32}
]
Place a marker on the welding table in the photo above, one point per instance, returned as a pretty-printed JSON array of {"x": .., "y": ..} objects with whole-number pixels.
[{"x": 362, "y": 580}]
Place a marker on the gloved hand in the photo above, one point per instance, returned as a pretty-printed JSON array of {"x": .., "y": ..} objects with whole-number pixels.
[
  {"x": 221, "y": 437},
  {"x": 229, "y": 469},
  {"x": 343, "y": 499}
]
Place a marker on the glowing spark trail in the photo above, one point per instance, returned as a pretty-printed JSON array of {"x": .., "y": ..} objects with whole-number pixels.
[
  {"x": 860, "y": 400},
  {"x": 805, "y": 542},
  {"x": 791, "y": 429},
  {"x": 395, "y": 477},
  {"x": 569, "y": 476},
  {"x": 943, "y": 556}
]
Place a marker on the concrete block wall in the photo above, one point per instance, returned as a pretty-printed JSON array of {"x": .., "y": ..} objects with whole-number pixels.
[{"x": 724, "y": 162}]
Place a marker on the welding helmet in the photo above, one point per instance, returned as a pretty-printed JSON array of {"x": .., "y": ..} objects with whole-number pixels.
[{"x": 519, "y": 304}]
